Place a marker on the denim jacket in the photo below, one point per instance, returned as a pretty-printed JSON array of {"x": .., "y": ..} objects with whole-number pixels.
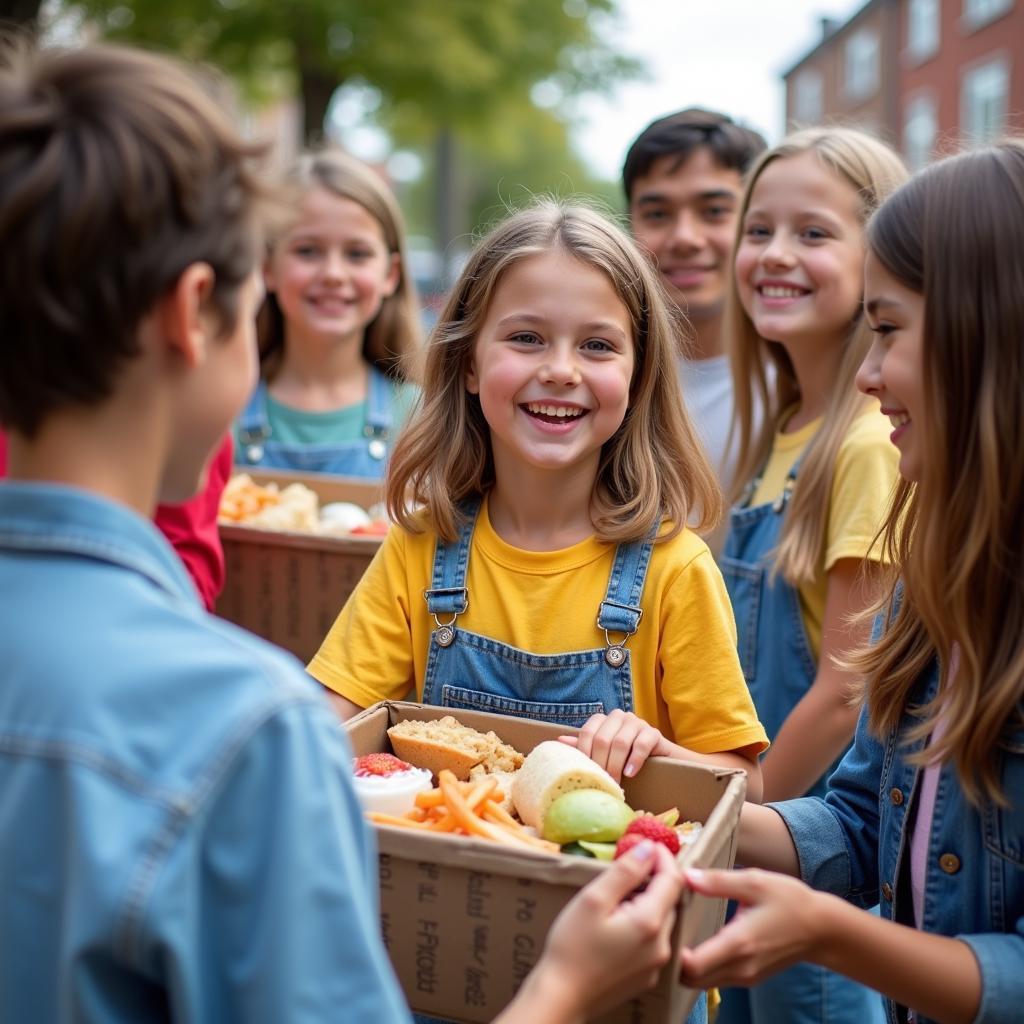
[
  {"x": 178, "y": 838},
  {"x": 853, "y": 843}
]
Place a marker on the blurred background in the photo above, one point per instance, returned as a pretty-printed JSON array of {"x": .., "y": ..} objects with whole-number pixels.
[{"x": 470, "y": 106}]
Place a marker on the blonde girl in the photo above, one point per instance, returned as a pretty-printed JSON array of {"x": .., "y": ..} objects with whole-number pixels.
[
  {"x": 339, "y": 329},
  {"x": 925, "y": 811},
  {"x": 814, "y": 480},
  {"x": 540, "y": 566}
]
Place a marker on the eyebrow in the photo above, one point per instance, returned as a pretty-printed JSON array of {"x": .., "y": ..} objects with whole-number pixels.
[
  {"x": 661, "y": 197},
  {"x": 820, "y": 214},
  {"x": 604, "y": 326},
  {"x": 882, "y": 302}
]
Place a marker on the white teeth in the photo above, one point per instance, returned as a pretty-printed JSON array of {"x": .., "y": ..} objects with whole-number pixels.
[
  {"x": 899, "y": 419},
  {"x": 561, "y": 411},
  {"x": 779, "y": 292}
]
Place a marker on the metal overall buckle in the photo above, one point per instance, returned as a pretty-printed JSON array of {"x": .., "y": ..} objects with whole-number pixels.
[
  {"x": 615, "y": 653},
  {"x": 377, "y": 445},
  {"x": 252, "y": 442},
  {"x": 444, "y": 634}
]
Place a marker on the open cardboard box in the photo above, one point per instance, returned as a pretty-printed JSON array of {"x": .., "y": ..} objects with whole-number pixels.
[
  {"x": 464, "y": 920},
  {"x": 288, "y": 587}
]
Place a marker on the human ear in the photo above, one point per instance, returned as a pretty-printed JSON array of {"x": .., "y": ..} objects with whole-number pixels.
[
  {"x": 472, "y": 380},
  {"x": 394, "y": 276},
  {"x": 183, "y": 315}
]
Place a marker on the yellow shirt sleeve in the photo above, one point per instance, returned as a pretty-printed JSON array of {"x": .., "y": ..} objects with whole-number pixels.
[
  {"x": 867, "y": 469},
  {"x": 702, "y": 687},
  {"x": 367, "y": 654}
]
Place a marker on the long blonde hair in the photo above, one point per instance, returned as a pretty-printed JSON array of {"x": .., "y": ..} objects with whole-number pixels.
[
  {"x": 955, "y": 234},
  {"x": 652, "y": 468},
  {"x": 873, "y": 170},
  {"x": 393, "y": 339}
]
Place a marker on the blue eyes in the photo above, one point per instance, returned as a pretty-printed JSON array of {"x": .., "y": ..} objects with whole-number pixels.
[{"x": 590, "y": 345}]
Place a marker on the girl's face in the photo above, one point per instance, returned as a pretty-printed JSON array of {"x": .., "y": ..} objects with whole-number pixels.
[
  {"x": 893, "y": 370},
  {"x": 553, "y": 364},
  {"x": 800, "y": 258},
  {"x": 332, "y": 270}
]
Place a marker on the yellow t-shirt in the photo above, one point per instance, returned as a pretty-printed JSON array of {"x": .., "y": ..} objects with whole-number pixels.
[
  {"x": 686, "y": 674},
  {"x": 867, "y": 468}
]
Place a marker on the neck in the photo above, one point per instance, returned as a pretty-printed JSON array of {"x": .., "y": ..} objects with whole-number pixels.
[
  {"x": 88, "y": 451},
  {"x": 707, "y": 341},
  {"x": 318, "y": 376},
  {"x": 815, "y": 363},
  {"x": 542, "y": 510}
]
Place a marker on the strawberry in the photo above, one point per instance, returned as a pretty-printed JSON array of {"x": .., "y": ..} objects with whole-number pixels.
[
  {"x": 379, "y": 764},
  {"x": 626, "y": 843},
  {"x": 650, "y": 827}
]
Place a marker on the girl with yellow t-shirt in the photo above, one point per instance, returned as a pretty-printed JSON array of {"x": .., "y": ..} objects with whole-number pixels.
[{"x": 540, "y": 565}]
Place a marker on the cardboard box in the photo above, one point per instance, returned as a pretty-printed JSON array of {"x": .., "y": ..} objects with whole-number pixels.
[
  {"x": 288, "y": 587},
  {"x": 464, "y": 920}
]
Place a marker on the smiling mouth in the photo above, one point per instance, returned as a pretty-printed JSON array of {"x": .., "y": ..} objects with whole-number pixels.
[
  {"x": 547, "y": 413},
  {"x": 778, "y": 291}
]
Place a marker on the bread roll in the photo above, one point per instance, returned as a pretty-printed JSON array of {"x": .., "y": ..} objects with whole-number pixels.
[
  {"x": 551, "y": 769},
  {"x": 447, "y": 743}
]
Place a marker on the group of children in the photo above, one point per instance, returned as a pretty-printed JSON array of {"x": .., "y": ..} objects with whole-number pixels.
[{"x": 548, "y": 487}]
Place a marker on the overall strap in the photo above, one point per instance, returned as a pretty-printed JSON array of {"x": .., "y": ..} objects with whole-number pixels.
[
  {"x": 448, "y": 594},
  {"x": 380, "y": 392},
  {"x": 787, "y": 488},
  {"x": 254, "y": 425},
  {"x": 620, "y": 610}
]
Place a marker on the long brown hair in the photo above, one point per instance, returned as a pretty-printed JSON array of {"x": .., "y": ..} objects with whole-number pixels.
[
  {"x": 652, "y": 468},
  {"x": 955, "y": 234},
  {"x": 873, "y": 170},
  {"x": 392, "y": 340}
]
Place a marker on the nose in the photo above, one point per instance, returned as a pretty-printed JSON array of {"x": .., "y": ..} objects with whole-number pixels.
[
  {"x": 687, "y": 234},
  {"x": 778, "y": 252},
  {"x": 333, "y": 267},
  {"x": 560, "y": 367},
  {"x": 869, "y": 375}
]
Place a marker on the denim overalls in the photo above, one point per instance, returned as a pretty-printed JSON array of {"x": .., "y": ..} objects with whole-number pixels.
[
  {"x": 365, "y": 457},
  {"x": 467, "y": 670},
  {"x": 779, "y": 668}
]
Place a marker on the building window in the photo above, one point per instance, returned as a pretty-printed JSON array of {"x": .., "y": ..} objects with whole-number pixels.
[
  {"x": 983, "y": 101},
  {"x": 922, "y": 28},
  {"x": 808, "y": 97},
  {"x": 861, "y": 65},
  {"x": 920, "y": 126},
  {"x": 979, "y": 12}
]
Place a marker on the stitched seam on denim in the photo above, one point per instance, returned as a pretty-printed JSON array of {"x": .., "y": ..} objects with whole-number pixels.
[
  {"x": 128, "y": 931},
  {"x": 455, "y": 696},
  {"x": 566, "y": 659}
]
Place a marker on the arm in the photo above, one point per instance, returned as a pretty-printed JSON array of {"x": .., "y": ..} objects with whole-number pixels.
[
  {"x": 604, "y": 947},
  {"x": 620, "y": 742},
  {"x": 345, "y": 708},
  {"x": 821, "y": 725},
  {"x": 783, "y": 922}
]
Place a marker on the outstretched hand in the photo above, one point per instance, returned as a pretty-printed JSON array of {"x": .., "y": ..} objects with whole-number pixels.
[
  {"x": 607, "y": 945},
  {"x": 620, "y": 742},
  {"x": 779, "y": 924}
]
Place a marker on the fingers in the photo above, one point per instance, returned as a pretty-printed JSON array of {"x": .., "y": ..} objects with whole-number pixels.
[
  {"x": 747, "y": 886},
  {"x": 585, "y": 737},
  {"x": 658, "y": 901},
  {"x": 628, "y": 872},
  {"x": 608, "y": 739}
]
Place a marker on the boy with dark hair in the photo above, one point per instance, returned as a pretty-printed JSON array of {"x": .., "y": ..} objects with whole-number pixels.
[
  {"x": 179, "y": 839},
  {"x": 683, "y": 178}
]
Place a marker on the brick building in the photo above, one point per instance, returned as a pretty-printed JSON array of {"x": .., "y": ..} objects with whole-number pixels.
[{"x": 929, "y": 76}]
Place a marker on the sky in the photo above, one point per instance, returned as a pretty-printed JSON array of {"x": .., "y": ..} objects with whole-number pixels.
[{"x": 725, "y": 54}]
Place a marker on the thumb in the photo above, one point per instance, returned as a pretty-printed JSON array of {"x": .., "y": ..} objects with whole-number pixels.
[
  {"x": 626, "y": 874},
  {"x": 744, "y": 886}
]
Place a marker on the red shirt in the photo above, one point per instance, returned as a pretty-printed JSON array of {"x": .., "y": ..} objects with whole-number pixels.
[{"x": 191, "y": 527}]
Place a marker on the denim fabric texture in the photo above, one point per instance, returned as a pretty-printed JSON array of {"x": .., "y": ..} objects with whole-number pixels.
[
  {"x": 779, "y": 668},
  {"x": 466, "y": 670},
  {"x": 853, "y": 842},
  {"x": 179, "y": 839},
  {"x": 366, "y": 457}
]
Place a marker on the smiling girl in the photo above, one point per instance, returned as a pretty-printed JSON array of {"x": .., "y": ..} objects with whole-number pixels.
[
  {"x": 800, "y": 557},
  {"x": 549, "y": 573},
  {"x": 338, "y": 330}
]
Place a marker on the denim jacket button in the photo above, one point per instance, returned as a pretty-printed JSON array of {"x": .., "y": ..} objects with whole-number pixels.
[
  {"x": 950, "y": 863},
  {"x": 887, "y": 891},
  {"x": 896, "y": 796}
]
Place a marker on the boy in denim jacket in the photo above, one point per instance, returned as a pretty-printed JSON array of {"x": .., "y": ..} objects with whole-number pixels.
[{"x": 178, "y": 835}]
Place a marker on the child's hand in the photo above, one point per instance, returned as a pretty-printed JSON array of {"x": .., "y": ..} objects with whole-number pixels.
[
  {"x": 779, "y": 924},
  {"x": 620, "y": 742},
  {"x": 608, "y": 944}
]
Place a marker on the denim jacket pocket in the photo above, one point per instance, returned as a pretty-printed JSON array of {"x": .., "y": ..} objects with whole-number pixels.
[
  {"x": 561, "y": 714},
  {"x": 1004, "y": 826},
  {"x": 744, "y": 583}
]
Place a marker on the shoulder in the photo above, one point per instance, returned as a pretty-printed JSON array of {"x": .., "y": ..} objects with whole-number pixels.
[{"x": 685, "y": 553}]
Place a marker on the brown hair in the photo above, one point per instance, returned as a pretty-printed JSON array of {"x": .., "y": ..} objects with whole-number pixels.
[
  {"x": 393, "y": 339},
  {"x": 652, "y": 468},
  {"x": 955, "y": 234},
  {"x": 873, "y": 170},
  {"x": 116, "y": 173}
]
